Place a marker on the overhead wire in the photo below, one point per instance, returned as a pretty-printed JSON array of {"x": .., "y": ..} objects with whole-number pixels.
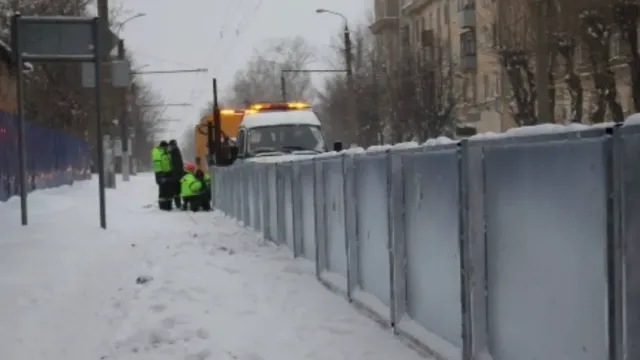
[{"x": 240, "y": 30}]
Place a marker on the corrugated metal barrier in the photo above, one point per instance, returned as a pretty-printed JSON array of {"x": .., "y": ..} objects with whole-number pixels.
[
  {"x": 513, "y": 248},
  {"x": 54, "y": 158}
]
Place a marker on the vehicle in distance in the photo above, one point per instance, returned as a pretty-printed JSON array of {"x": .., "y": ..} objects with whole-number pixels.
[{"x": 276, "y": 129}]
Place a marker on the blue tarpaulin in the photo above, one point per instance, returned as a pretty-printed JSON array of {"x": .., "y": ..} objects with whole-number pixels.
[{"x": 54, "y": 157}]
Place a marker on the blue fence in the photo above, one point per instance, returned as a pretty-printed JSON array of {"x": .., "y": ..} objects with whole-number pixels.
[
  {"x": 506, "y": 248},
  {"x": 54, "y": 158}
]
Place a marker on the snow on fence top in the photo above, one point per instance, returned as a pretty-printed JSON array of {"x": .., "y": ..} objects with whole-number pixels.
[{"x": 543, "y": 129}]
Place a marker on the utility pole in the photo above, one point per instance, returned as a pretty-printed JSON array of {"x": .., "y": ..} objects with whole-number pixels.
[
  {"x": 105, "y": 33},
  {"x": 348, "y": 56},
  {"x": 545, "y": 115},
  {"x": 124, "y": 118},
  {"x": 214, "y": 138}
]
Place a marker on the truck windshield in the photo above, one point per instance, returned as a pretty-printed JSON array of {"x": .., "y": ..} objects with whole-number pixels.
[{"x": 285, "y": 138}]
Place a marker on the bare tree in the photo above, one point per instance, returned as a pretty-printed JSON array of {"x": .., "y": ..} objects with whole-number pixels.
[
  {"x": 567, "y": 42},
  {"x": 626, "y": 15},
  {"x": 260, "y": 79},
  {"x": 55, "y": 96},
  {"x": 333, "y": 106},
  {"x": 596, "y": 32},
  {"x": 414, "y": 100},
  {"x": 514, "y": 49}
]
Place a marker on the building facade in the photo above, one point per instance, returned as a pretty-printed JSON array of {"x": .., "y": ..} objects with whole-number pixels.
[
  {"x": 465, "y": 30},
  {"x": 470, "y": 32}
]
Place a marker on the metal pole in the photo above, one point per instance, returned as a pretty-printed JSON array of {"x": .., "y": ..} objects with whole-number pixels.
[
  {"x": 353, "y": 117},
  {"x": 124, "y": 119},
  {"x": 22, "y": 146},
  {"x": 217, "y": 123},
  {"x": 542, "y": 64},
  {"x": 98, "y": 94},
  {"x": 283, "y": 87},
  {"x": 135, "y": 120},
  {"x": 106, "y": 112}
]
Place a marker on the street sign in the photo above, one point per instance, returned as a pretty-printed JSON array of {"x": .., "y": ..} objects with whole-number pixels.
[
  {"x": 56, "y": 39},
  {"x": 47, "y": 38},
  {"x": 120, "y": 74}
]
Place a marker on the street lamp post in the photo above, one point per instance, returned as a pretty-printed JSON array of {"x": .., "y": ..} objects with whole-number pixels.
[
  {"x": 348, "y": 58},
  {"x": 126, "y": 107}
]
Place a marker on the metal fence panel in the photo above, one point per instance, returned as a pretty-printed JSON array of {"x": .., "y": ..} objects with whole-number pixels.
[
  {"x": 374, "y": 266},
  {"x": 54, "y": 157},
  {"x": 252, "y": 198},
  {"x": 335, "y": 217},
  {"x": 257, "y": 173},
  {"x": 546, "y": 246},
  {"x": 432, "y": 241},
  {"x": 246, "y": 194},
  {"x": 308, "y": 211}
]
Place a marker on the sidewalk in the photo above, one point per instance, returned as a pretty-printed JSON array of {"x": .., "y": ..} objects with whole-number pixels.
[{"x": 215, "y": 290}]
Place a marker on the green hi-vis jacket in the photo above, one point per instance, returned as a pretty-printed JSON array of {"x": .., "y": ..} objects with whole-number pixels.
[
  {"x": 161, "y": 160},
  {"x": 190, "y": 185}
]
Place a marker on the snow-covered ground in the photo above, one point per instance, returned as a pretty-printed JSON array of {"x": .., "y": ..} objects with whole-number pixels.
[{"x": 68, "y": 289}]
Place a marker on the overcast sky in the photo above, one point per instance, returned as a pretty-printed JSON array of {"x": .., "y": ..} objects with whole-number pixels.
[{"x": 221, "y": 35}]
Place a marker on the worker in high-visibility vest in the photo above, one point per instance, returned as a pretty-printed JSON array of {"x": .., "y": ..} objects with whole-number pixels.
[
  {"x": 164, "y": 176},
  {"x": 190, "y": 188}
]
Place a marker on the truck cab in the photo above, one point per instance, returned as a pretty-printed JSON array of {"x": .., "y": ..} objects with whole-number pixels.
[{"x": 270, "y": 130}]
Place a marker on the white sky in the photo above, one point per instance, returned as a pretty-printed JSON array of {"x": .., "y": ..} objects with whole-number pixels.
[{"x": 187, "y": 34}]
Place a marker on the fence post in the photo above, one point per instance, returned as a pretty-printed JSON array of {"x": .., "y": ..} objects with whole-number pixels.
[
  {"x": 321, "y": 215},
  {"x": 296, "y": 197},
  {"x": 398, "y": 294},
  {"x": 349, "y": 181},
  {"x": 615, "y": 253},
  {"x": 473, "y": 252}
]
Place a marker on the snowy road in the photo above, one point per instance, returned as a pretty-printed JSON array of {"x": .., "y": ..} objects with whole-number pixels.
[{"x": 69, "y": 292}]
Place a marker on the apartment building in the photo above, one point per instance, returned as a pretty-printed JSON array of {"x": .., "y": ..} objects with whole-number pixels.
[{"x": 466, "y": 31}]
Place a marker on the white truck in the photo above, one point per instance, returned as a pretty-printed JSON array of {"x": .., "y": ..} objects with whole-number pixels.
[{"x": 271, "y": 130}]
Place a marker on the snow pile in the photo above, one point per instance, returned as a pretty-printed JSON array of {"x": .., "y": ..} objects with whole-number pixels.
[
  {"x": 379, "y": 148},
  {"x": 633, "y": 119},
  {"x": 542, "y": 129},
  {"x": 406, "y": 145},
  {"x": 211, "y": 289},
  {"x": 439, "y": 141}
]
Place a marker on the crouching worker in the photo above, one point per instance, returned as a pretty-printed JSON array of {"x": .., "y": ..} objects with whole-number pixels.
[
  {"x": 205, "y": 193},
  {"x": 190, "y": 189}
]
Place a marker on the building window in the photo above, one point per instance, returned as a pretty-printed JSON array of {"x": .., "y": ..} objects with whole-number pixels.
[
  {"x": 467, "y": 44},
  {"x": 486, "y": 85},
  {"x": 446, "y": 13}
]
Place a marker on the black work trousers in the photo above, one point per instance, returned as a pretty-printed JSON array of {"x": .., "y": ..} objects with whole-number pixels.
[
  {"x": 206, "y": 200},
  {"x": 165, "y": 191},
  {"x": 192, "y": 203}
]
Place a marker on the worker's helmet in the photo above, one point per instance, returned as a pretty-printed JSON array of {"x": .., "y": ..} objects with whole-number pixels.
[
  {"x": 190, "y": 167},
  {"x": 163, "y": 144}
]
